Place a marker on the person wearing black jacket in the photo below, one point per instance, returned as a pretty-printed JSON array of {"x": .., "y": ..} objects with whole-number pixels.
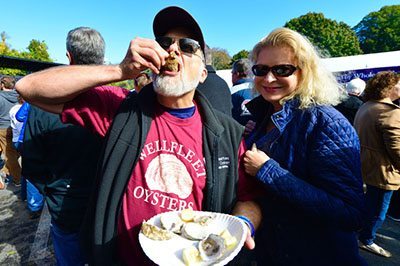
[
  {"x": 215, "y": 88},
  {"x": 61, "y": 159}
]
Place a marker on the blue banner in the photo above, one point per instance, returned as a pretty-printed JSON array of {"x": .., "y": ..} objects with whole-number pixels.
[{"x": 364, "y": 74}]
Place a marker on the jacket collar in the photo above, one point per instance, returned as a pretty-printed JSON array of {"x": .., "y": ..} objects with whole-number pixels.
[
  {"x": 261, "y": 109},
  {"x": 388, "y": 101},
  {"x": 284, "y": 116}
]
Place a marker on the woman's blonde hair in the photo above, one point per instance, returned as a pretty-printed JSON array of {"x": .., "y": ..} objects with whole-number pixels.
[{"x": 317, "y": 85}]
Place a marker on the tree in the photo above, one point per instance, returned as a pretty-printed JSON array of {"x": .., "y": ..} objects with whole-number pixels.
[
  {"x": 380, "y": 31},
  {"x": 37, "y": 50},
  {"x": 220, "y": 58},
  {"x": 331, "y": 37},
  {"x": 241, "y": 54}
]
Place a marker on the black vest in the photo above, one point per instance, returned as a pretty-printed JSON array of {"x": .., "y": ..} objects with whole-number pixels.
[{"x": 124, "y": 142}]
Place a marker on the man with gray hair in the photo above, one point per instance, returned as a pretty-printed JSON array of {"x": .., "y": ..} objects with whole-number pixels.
[
  {"x": 61, "y": 159},
  {"x": 85, "y": 46},
  {"x": 355, "y": 87},
  {"x": 242, "y": 90},
  {"x": 353, "y": 100}
]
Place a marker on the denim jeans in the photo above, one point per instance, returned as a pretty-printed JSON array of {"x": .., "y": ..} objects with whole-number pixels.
[
  {"x": 66, "y": 247},
  {"x": 377, "y": 203}
]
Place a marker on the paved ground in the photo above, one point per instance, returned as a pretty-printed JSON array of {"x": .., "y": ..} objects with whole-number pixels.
[
  {"x": 22, "y": 240},
  {"x": 26, "y": 242},
  {"x": 389, "y": 238}
]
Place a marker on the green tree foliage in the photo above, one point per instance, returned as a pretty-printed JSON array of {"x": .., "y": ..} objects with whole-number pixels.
[
  {"x": 380, "y": 31},
  {"x": 332, "y": 38},
  {"x": 241, "y": 54},
  {"x": 220, "y": 58},
  {"x": 37, "y": 50},
  {"x": 126, "y": 84}
]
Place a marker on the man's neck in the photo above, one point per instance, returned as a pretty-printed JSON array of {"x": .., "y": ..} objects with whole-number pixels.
[{"x": 183, "y": 101}]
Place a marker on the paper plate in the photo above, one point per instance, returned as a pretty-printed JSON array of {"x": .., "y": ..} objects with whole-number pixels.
[{"x": 169, "y": 252}]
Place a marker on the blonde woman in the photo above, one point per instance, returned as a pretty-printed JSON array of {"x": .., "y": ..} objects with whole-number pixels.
[{"x": 306, "y": 154}]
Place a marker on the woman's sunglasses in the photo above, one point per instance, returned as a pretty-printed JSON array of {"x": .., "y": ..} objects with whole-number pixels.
[
  {"x": 278, "y": 70},
  {"x": 186, "y": 45}
]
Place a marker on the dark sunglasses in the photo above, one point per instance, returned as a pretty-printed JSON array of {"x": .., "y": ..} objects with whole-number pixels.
[
  {"x": 278, "y": 70},
  {"x": 186, "y": 45}
]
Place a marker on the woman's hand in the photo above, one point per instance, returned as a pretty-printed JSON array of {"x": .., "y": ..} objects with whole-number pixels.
[{"x": 254, "y": 159}]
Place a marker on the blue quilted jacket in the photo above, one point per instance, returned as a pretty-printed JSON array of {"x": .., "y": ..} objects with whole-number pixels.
[{"x": 313, "y": 202}]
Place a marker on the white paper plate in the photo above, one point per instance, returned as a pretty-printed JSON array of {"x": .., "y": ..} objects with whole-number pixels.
[{"x": 169, "y": 252}]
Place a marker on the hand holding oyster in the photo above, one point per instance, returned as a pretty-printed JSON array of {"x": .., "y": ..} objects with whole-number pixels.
[{"x": 171, "y": 63}]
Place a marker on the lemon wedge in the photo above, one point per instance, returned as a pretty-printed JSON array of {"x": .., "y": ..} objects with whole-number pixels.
[
  {"x": 187, "y": 215},
  {"x": 230, "y": 241},
  {"x": 191, "y": 256}
]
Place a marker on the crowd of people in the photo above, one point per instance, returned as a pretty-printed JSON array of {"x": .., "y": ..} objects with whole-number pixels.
[{"x": 309, "y": 168}]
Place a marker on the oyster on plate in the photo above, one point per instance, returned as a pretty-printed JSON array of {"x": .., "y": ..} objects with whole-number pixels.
[
  {"x": 171, "y": 223},
  {"x": 154, "y": 232},
  {"x": 203, "y": 219},
  {"x": 212, "y": 247},
  {"x": 195, "y": 231}
]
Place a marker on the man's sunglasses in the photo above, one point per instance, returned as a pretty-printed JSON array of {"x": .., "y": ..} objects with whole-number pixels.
[
  {"x": 186, "y": 45},
  {"x": 278, "y": 70}
]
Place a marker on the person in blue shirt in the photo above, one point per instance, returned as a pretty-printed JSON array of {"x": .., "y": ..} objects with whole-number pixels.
[
  {"x": 34, "y": 199},
  {"x": 242, "y": 90},
  {"x": 306, "y": 155}
]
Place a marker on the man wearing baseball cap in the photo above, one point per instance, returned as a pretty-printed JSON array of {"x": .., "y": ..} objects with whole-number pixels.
[{"x": 166, "y": 148}]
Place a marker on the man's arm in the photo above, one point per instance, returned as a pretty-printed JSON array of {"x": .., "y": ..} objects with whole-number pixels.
[
  {"x": 252, "y": 211},
  {"x": 51, "y": 88}
]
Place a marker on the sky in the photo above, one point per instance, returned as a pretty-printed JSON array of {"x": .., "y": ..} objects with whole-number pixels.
[{"x": 231, "y": 25}]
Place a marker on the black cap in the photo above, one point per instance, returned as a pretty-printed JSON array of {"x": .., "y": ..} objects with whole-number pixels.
[{"x": 176, "y": 17}]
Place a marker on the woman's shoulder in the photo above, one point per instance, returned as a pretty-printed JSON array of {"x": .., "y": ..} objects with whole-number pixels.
[
  {"x": 327, "y": 120},
  {"x": 326, "y": 113}
]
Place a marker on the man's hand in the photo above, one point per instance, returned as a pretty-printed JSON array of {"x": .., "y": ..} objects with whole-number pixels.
[
  {"x": 252, "y": 211},
  {"x": 142, "y": 54},
  {"x": 249, "y": 242},
  {"x": 253, "y": 160}
]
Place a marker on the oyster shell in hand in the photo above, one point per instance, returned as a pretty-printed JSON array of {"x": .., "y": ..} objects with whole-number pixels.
[{"x": 171, "y": 63}]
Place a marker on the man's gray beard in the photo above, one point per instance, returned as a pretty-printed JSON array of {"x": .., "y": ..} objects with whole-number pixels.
[{"x": 175, "y": 86}]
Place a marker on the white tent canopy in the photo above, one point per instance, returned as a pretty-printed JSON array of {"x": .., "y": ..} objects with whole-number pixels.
[{"x": 346, "y": 63}]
